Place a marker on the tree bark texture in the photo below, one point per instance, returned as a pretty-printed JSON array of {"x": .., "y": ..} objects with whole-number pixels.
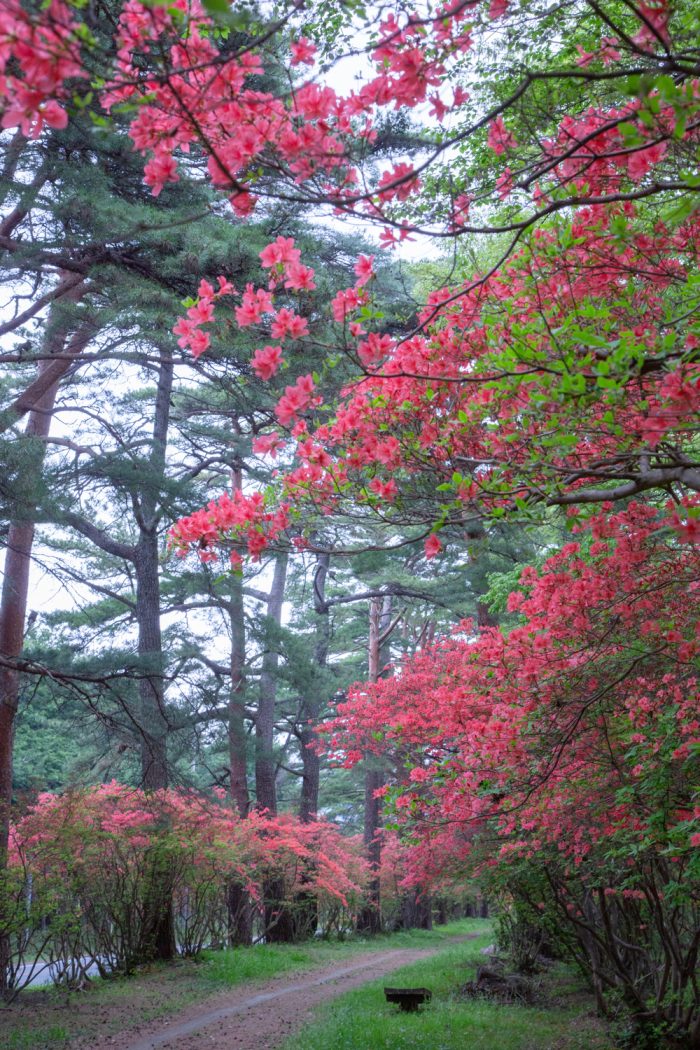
[
  {"x": 311, "y": 766},
  {"x": 159, "y": 926},
  {"x": 15, "y": 588},
  {"x": 370, "y": 918},
  {"x": 265, "y": 766}
]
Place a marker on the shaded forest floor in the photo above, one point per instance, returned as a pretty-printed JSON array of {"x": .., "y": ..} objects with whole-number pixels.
[{"x": 255, "y": 999}]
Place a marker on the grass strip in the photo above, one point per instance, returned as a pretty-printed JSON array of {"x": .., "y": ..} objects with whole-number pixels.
[{"x": 363, "y": 1020}]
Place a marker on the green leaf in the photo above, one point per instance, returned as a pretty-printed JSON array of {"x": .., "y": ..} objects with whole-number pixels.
[{"x": 217, "y": 7}]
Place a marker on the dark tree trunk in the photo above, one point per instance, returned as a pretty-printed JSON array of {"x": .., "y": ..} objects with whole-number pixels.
[
  {"x": 265, "y": 768},
  {"x": 15, "y": 589},
  {"x": 237, "y": 749},
  {"x": 484, "y": 617},
  {"x": 441, "y": 914},
  {"x": 239, "y": 904},
  {"x": 12, "y": 616},
  {"x": 416, "y": 911},
  {"x": 306, "y": 904},
  {"x": 370, "y": 917},
  {"x": 240, "y": 915},
  {"x": 311, "y": 766},
  {"x": 61, "y": 350},
  {"x": 158, "y": 941},
  {"x": 280, "y": 926},
  {"x": 380, "y": 627},
  {"x": 153, "y": 722}
]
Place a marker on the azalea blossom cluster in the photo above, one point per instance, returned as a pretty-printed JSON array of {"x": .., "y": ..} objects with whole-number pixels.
[
  {"x": 189, "y": 94},
  {"x": 597, "y": 153},
  {"x": 563, "y": 731},
  {"x": 552, "y": 367},
  {"x": 247, "y": 516},
  {"x": 559, "y": 761},
  {"x": 46, "y": 51},
  {"x": 189, "y": 329}
]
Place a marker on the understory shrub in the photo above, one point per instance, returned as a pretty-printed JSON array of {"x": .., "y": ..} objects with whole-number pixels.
[{"x": 81, "y": 884}]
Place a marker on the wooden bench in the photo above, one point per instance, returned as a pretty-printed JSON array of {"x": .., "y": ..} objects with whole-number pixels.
[{"x": 408, "y": 999}]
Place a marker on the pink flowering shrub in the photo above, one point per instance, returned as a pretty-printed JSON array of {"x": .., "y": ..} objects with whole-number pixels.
[
  {"x": 86, "y": 866},
  {"x": 559, "y": 761}
]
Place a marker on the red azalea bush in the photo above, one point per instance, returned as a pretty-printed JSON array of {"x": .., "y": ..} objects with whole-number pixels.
[
  {"x": 561, "y": 760},
  {"x": 88, "y": 867}
]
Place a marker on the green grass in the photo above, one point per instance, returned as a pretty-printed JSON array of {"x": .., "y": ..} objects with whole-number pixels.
[
  {"x": 56, "y": 1035},
  {"x": 267, "y": 960},
  {"x": 363, "y": 1020}
]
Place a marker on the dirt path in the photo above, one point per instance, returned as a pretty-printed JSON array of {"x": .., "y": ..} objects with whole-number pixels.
[{"x": 260, "y": 1016}]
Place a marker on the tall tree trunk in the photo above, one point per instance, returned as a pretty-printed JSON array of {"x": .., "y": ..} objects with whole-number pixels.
[
  {"x": 237, "y": 750},
  {"x": 153, "y": 719},
  {"x": 306, "y": 902},
  {"x": 279, "y": 916},
  {"x": 158, "y": 937},
  {"x": 311, "y": 772},
  {"x": 238, "y": 902},
  {"x": 370, "y": 918},
  {"x": 153, "y": 723},
  {"x": 158, "y": 933},
  {"x": 13, "y": 610},
  {"x": 265, "y": 769},
  {"x": 416, "y": 911},
  {"x": 15, "y": 588}
]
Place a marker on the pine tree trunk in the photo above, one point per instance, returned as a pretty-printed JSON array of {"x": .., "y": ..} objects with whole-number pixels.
[
  {"x": 15, "y": 589},
  {"x": 265, "y": 769},
  {"x": 153, "y": 723},
  {"x": 239, "y": 905},
  {"x": 237, "y": 750},
  {"x": 12, "y": 615},
  {"x": 158, "y": 936},
  {"x": 280, "y": 926},
  {"x": 240, "y": 916},
  {"x": 370, "y": 918},
  {"x": 311, "y": 766},
  {"x": 416, "y": 911},
  {"x": 306, "y": 913},
  {"x": 238, "y": 902}
]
